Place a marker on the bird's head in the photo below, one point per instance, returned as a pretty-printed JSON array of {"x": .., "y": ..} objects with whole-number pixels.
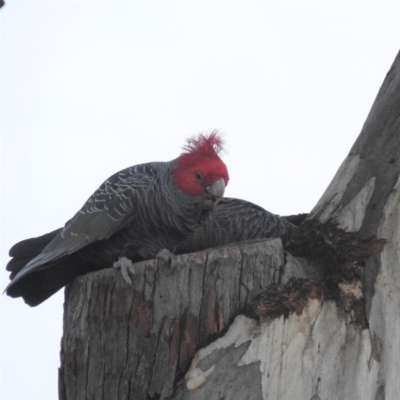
[{"x": 200, "y": 171}]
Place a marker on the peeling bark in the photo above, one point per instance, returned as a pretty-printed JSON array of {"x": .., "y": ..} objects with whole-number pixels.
[
  {"x": 317, "y": 320},
  {"x": 317, "y": 354}
]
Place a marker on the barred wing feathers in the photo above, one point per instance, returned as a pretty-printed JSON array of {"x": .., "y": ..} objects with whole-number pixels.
[
  {"x": 235, "y": 220},
  {"x": 246, "y": 221},
  {"x": 111, "y": 208}
]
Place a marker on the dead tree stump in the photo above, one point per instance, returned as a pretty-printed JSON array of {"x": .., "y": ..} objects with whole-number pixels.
[
  {"x": 135, "y": 342},
  {"x": 254, "y": 321}
]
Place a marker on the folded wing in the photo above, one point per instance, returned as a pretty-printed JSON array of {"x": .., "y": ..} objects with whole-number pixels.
[{"x": 111, "y": 208}]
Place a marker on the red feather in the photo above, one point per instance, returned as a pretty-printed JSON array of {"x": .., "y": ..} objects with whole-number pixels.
[{"x": 205, "y": 145}]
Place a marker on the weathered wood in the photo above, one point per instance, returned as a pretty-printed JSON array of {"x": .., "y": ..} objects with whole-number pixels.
[{"x": 134, "y": 342}]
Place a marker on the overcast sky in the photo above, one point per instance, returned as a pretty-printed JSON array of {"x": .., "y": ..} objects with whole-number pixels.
[{"x": 89, "y": 88}]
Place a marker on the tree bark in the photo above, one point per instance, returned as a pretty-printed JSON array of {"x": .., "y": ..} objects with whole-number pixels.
[
  {"x": 318, "y": 321},
  {"x": 134, "y": 342}
]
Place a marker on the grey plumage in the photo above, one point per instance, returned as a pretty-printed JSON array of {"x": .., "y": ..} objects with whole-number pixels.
[{"x": 236, "y": 220}]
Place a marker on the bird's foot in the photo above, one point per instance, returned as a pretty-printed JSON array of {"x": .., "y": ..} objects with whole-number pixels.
[
  {"x": 126, "y": 265},
  {"x": 167, "y": 256}
]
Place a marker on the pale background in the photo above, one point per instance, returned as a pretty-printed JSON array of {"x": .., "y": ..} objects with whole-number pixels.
[{"x": 89, "y": 88}]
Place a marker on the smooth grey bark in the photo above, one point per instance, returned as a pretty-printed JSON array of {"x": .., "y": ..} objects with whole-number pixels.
[{"x": 328, "y": 327}]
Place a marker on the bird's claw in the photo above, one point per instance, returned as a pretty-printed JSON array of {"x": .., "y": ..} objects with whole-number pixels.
[
  {"x": 167, "y": 256},
  {"x": 126, "y": 265}
]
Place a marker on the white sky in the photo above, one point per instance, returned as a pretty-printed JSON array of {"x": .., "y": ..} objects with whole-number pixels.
[{"x": 89, "y": 88}]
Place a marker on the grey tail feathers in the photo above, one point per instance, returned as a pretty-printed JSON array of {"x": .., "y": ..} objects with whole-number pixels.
[{"x": 26, "y": 250}]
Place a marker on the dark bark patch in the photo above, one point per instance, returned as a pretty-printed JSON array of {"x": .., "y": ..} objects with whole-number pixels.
[
  {"x": 293, "y": 297},
  {"x": 174, "y": 342},
  {"x": 189, "y": 341},
  {"x": 142, "y": 312},
  {"x": 345, "y": 252}
]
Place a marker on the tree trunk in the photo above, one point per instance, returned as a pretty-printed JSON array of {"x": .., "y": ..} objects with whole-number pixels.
[
  {"x": 320, "y": 321},
  {"x": 123, "y": 342}
]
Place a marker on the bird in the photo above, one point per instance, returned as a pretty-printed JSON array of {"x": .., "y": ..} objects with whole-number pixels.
[{"x": 140, "y": 213}]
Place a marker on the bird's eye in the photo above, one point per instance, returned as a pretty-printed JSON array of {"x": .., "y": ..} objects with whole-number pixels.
[{"x": 199, "y": 177}]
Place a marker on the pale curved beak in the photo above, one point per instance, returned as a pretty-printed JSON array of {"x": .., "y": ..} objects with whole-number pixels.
[{"x": 214, "y": 193}]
